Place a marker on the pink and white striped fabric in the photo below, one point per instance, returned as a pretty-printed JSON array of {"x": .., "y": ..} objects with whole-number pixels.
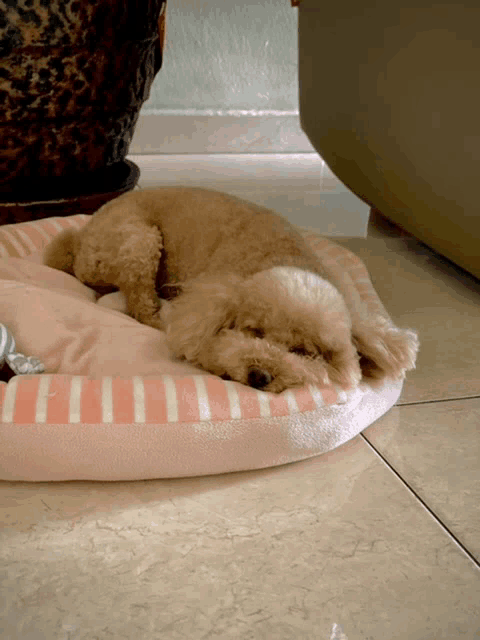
[
  {"x": 132, "y": 413},
  {"x": 62, "y": 399}
]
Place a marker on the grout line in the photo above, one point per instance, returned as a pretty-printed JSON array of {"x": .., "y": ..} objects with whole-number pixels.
[
  {"x": 421, "y": 402},
  {"x": 424, "y": 504}
]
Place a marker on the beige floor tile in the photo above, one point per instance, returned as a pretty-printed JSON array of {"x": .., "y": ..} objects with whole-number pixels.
[
  {"x": 332, "y": 547},
  {"x": 425, "y": 292},
  {"x": 436, "y": 448}
]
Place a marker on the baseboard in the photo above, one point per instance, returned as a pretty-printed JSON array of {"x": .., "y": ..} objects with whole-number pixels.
[
  {"x": 300, "y": 186},
  {"x": 176, "y": 132}
]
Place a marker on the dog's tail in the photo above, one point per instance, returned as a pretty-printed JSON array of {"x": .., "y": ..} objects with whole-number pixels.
[{"x": 60, "y": 253}]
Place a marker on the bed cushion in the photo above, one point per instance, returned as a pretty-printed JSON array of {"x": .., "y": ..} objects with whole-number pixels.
[{"x": 113, "y": 405}]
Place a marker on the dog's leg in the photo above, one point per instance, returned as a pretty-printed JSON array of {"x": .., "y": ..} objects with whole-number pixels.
[
  {"x": 385, "y": 350},
  {"x": 137, "y": 280},
  {"x": 126, "y": 257}
]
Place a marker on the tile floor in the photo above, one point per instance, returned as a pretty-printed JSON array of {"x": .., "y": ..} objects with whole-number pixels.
[{"x": 377, "y": 540}]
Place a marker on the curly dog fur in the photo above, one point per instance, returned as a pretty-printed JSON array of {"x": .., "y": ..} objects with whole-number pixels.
[{"x": 236, "y": 289}]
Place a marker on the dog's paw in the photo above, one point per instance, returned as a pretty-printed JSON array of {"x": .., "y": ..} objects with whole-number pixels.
[
  {"x": 386, "y": 351},
  {"x": 152, "y": 315},
  {"x": 116, "y": 301},
  {"x": 343, "y": 367}
]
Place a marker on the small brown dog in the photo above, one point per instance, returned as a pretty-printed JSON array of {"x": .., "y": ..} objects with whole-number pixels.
[{"x": 248, "y": 299}]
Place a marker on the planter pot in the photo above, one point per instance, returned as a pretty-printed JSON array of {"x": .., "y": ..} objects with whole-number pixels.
[
  {"x": 65, "y": 200},
  {"x": 73, "y": 77}
]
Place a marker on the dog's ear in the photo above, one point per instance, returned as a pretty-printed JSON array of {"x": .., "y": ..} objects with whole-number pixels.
[{"x": 205, "y": 306}]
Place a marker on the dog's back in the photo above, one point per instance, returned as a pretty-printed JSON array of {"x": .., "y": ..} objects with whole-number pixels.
[{"x": 205, "y": 231}]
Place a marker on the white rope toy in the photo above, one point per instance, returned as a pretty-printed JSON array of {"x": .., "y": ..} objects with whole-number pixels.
[{"x": 17, "y": 362}]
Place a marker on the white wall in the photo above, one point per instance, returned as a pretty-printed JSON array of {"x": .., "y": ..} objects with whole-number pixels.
[
  {"x": 224, "y": 55},
  {"x": 229, "y": 81}
]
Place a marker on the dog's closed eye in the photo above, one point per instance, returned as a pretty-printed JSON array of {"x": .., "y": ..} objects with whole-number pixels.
[
  {"x": 301, "y": 350},
  {"x": 258, "y": 333},
  {"x": 327, "y": 355}
]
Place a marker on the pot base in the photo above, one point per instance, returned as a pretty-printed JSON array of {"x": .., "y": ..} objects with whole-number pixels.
[{"x": 33, "y": 199}]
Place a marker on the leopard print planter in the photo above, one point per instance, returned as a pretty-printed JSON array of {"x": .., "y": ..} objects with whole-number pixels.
[{"x": 73, "y": 77}]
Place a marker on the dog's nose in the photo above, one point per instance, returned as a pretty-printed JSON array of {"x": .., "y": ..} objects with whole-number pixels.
[{"x": 258, "y": 378}]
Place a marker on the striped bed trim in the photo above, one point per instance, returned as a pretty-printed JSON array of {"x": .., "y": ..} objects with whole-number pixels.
[
  {"x": 62, "y": 399},
  {"x": 22, "y": 239}
]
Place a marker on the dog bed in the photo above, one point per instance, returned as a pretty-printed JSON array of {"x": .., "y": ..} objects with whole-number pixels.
[{"x": 112, "y": 404}]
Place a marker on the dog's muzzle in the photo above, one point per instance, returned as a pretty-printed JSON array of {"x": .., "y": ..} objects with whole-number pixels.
[{"x": 258, "y": 378}]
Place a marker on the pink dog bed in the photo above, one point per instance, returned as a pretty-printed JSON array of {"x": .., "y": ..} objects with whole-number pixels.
[{"x": 113, "y": 405}]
